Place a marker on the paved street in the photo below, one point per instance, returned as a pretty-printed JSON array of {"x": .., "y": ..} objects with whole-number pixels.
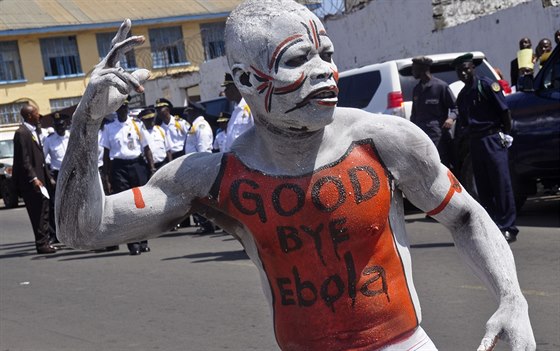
[{"x": 202, "y": 293}]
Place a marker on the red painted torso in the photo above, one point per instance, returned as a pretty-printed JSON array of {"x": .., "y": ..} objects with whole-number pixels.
[{"x": 328, "y": 250}]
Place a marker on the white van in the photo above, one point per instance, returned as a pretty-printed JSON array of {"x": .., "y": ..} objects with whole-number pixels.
[
  {"x": 8, "y": 191},
  {"x": 387, "y": 87}
]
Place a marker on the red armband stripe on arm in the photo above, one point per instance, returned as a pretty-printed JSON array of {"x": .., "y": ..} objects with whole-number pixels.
[
  {"x": 455, "y": 187},
  {"x": 138, "y": 199}
]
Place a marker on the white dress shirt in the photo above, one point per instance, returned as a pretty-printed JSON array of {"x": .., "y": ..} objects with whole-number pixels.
[
  {"x": 54, "y": 148},
  {"x": 200, "y": 137},
  {"x": 241, "y": 120},
  {"x": 177, "y": 130},
  {"x": 125, "y": 140}
]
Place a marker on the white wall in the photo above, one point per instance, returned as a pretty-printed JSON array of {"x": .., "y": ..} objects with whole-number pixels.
[{"x": 391, "y": 29}]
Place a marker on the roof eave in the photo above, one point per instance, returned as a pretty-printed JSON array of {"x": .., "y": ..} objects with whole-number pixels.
[{"x": 112, "y": 25}]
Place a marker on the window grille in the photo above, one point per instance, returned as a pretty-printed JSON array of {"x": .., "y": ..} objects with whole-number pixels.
[
  {"x": 10, "y": 62},
  {"x": 60, "y": 56},
  {"x": 213, "y": 39},
  {"x": 9, "y": 113},
  {"x": 59, "y": 104},
  {"x": 128, "y": 61},
  {"x": 167, "y": 47}
]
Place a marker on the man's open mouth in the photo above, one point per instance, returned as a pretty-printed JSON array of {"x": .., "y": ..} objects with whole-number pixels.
[{"x": 326, "y": 96}]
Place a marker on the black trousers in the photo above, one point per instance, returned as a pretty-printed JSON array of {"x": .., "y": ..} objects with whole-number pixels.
[
  {"x": 39, "y": 211},
  {"x": 128, "y": 174}
]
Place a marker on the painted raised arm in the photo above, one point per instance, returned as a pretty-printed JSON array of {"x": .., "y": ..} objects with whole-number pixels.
[
  {"x": 433, "y": 188},
  {"x": 80, "y": 200}
]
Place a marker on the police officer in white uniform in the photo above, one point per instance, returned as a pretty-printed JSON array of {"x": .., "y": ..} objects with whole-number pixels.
[
  {"x": 127, "y": 158},
  {"x": 199, "y": 139},
  {"x": 176, "y": 127},
  {"x": 200, "y": 136},
  {"x": 221, "y": 135},
  {"x": 160, "y": 143},
  {"x": 55, "y": 145},
  {"x": 241, "y": 118}
]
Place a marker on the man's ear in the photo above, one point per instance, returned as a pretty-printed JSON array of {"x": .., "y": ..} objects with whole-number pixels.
[{"x": 243, "y": 78}]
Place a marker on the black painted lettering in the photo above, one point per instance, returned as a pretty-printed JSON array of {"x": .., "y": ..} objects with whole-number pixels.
[
  {"x": 277, "y": 195},
  {"x": 316, "y": 194},
  {"x": 338, "y": 233},
  {"x": 351, "y": 272},
  {"x": 378, "y": 273},
  {"x": 286, "y": 294},
  {"x": 289, "y": 239},
  {"x": 306, "y": 291},
  {"x": 254, "y": 197},
  {"x": 330, "y": 297},
  {"x": 315, "y": 234},
  {"x": 359, "y": 194}
]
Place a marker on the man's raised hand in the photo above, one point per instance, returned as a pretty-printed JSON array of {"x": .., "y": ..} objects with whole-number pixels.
[{"x": 110, "y": 84}]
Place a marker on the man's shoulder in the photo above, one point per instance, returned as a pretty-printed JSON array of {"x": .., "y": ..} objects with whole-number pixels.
[{"x": 439, "y": 82}]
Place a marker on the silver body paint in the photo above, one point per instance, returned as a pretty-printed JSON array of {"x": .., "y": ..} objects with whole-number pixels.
[{"x": 293, "y": 143}]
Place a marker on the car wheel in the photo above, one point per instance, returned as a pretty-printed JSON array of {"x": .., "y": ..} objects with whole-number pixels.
[{"x": 9, "y": 194}]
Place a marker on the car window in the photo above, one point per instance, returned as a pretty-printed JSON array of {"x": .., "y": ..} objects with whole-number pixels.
[
  {"x": 443, "y": 71},
  {"x": 6, "y": 148},
  {"x": 357, "y": 90},
  {"x": 214, "y": 107}
]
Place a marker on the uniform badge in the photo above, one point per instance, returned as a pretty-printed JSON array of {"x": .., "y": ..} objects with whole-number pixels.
[{"x": 496, "y": 87}]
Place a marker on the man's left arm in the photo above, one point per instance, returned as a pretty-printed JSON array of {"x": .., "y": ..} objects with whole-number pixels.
[
  {"x": 432, "y": 187},
  {"x": 449, "y": 103},
  {"x": 204, "y": 138}
]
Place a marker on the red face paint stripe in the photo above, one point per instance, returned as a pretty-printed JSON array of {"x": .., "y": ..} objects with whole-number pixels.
[
  {"x": 455, "y": 187},
  {"x": 316, "y": 40},
  {"x": 291, "y": 87},
  {"x": 279, "y": 47},
  {"x": 138, "y": 199},
  {"x": 261, "y": 74},
  {"x": 335, "y": 73}
]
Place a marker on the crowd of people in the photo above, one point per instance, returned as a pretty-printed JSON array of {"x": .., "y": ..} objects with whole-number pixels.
[
  {"x": 132, "y": 148},
  {"x": 482, "y": 119}
]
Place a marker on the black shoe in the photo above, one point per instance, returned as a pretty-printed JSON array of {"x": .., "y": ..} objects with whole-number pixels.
[
  {"x": 47, "y": 249},
  {"x": 112, "y": 248},
  {"x": 509, "y": 236},
  {"x": 145, "y": 249},
  {"x": 134, "y": 252}
]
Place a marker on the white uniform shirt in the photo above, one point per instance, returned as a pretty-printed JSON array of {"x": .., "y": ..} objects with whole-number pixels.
[
  {"x": 200, "y": 137},
  {"x": 177, "y": 130},
  {"x": 159, "y": 144},
  {"x": 241, "y": 120},
  {"x": 54, "y": 148},
  {"x": 125, "y": 140},
  {"x": 100, "y": 150},
  {"x": 220, "y": 141}
]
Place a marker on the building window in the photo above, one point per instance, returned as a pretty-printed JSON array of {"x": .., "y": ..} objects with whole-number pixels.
[
  {"x": 59, "y": 104},
  {"x": 104, "y": 45},
  {"x": 167, "y": 47},
  {"x": 9, "y": 113},
  {"x": 213, "y": 39},
  {"x": 10, "y": 63},
  {"x": 60, "y": 56}
]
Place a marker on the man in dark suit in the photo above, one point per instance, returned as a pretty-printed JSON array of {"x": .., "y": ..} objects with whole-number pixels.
[{"x": 32, "y": 176}]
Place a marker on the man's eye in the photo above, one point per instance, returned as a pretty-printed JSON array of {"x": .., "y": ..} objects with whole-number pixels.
[
  {"x": 326, "y": 56},
  {"x": 297, "y": 61}
]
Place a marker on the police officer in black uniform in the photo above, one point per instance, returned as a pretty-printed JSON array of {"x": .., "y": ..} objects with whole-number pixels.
[
  {"x": 484, "y": 118},
  {"x": 433, "y": 108}
]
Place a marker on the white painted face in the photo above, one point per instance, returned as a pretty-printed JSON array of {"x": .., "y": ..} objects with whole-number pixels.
[{"x": 297, "y": 87}]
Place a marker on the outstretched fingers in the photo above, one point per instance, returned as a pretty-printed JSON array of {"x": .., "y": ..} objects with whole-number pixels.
[
  {"x": 122, "y": 32},
  {"x": 488, "y": 342},
  {"x": 121, "y": 48},
  {"x": 124, "y": 76}
]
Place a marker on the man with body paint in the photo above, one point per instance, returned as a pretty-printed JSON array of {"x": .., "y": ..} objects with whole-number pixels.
[{"x": 313, "y": 192}]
